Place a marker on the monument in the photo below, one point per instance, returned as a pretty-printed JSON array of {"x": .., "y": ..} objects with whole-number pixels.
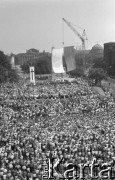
[{"x": 32, "y": 75}]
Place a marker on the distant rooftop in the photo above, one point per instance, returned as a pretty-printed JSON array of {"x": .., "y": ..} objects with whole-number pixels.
[
  {"x": 97, "y": 47},
  {"x": 32, "y": 50}
]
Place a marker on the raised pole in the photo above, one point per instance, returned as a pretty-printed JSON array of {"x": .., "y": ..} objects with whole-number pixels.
[{"x": 32, "y": 75}]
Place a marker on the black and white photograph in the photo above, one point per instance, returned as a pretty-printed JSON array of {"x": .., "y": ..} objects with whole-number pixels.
[{"x": 57, "y": 89}]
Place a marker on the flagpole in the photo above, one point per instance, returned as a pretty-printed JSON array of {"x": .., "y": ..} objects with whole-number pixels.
[{"x": 51, "y": 64}]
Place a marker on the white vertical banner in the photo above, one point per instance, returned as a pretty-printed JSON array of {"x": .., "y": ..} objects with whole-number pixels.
[
  {"x": 57, "y": 60},
  {"x": 32, "y": 75},
  {"x": 69, "y": 57}
]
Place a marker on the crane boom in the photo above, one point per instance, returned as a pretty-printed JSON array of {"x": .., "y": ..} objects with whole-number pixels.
[{"x": 75, "y": 31}]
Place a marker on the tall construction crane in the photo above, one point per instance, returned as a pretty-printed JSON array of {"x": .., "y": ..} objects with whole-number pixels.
[{"x": 82, "y": 37}]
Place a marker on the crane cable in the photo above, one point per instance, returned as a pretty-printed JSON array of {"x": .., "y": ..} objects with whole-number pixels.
[{"x": 62, "y": 32}]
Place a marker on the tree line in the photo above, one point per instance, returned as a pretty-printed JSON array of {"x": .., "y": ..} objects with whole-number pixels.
[
  {"x": 6, "y": 72},
  {"x": 42, "y": 65},
  {"x": 87, "y": 65},
  {"x": 93, "y": 67}
]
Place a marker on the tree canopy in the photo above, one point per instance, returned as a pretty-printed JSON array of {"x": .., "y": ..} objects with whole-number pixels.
[
  {"x": 42, "y": 65},
  {"x": 6, "y": 72},
  {"x": 97, "y": 74}
]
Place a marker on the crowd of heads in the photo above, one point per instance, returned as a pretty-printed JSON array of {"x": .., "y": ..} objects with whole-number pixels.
[{"x": 68, "y": 121}]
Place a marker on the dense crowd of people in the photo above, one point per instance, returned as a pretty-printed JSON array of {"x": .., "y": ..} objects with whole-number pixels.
[{"x": 68, "y": 121}]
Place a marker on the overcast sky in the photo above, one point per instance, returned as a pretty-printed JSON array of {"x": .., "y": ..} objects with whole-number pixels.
[{"x": 26, "y": 24}]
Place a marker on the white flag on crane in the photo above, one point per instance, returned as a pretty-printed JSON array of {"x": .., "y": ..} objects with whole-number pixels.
[
  {"x": 63, "y": 59},
  {"x": 57, "y": 60},
  {"x": 69, "y": 58}
]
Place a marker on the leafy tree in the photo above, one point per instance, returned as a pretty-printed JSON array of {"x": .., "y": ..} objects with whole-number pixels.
[
  {"x": 97, "y": 74},
  {"x": 25, "y": 67},
  {"x": 84, "y": 61},
  {"x": 77, "y": 72},
  {"x": 99, "y": 63},
  {"x": 42, "y": 65},
  {"x": 79, "y": 66},
  {"x": 6, "y": 72},
  {"x": 13, "y": 76}
]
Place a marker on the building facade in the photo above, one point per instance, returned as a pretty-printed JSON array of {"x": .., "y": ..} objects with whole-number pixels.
[
  {"x": 109, "y": 57},
  {"x": 30, "y": 55}
]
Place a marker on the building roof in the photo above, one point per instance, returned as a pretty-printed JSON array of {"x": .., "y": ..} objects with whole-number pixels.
[
  {"x": 109, "y": 43},
  {"x": 97, "y": 47}
]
